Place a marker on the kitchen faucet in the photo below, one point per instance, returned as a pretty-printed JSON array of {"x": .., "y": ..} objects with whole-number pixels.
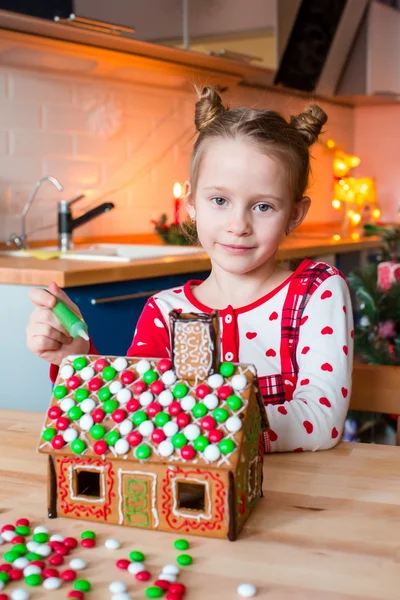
[
  {"x": 66, "y": 223},
  {"x": 20, "y": 241}
]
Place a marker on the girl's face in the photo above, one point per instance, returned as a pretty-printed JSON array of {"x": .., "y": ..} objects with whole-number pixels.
[{"x": 242, "y": 204}]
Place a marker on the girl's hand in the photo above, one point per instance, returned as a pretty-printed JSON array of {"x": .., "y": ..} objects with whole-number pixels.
[{"x": 45, "y": 336}]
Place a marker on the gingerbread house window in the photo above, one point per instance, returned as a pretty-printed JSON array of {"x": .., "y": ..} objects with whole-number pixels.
[
  {"x": 191, "y": 496},
  {"x": 87, "y": 483}
]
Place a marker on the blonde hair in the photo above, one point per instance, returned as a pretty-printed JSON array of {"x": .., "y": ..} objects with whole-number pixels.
[{"x": 267, "y": 129}]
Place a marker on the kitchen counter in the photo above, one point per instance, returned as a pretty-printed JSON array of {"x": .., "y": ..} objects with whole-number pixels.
[
  {"x": 324, "y": 530},
  {"x": 68, "y": 273}
]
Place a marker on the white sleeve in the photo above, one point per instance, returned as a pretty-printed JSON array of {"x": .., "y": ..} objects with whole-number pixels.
[{"x": 314, "y": 418}]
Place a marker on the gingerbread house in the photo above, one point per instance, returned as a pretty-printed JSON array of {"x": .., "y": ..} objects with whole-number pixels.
[{"x": 172, "y": 445}]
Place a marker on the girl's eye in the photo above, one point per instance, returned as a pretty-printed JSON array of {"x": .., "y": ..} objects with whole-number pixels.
[
  {"x": 218, "y": 201},
  {"x": 263, "y": 207}
]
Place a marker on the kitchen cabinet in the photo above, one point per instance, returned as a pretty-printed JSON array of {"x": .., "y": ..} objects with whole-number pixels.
[{"x": 43, "y": 10}]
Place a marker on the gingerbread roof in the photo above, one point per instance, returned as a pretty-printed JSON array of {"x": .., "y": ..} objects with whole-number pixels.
[{"x": 143, "y": 410}]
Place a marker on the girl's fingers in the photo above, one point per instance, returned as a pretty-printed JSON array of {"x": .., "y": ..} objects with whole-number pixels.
[
  {"x": 56, "y": 291},
  {"x": 46, "y": 330},
  {"x": 45, "y": 316},
  {"x": 40, "y": 344},
  {"x": 42, "y": 298}
]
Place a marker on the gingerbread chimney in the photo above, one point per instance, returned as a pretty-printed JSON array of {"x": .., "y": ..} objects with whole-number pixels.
[{"x": 195, "y": 344}]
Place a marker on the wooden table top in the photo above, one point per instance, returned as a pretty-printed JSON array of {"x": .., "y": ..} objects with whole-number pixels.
[
  {"x": 69, "y": 273},
  {"x": 326, "y": 529}
]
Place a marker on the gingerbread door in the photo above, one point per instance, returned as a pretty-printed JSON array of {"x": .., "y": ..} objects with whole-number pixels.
[{"x": 137, "y": 499}]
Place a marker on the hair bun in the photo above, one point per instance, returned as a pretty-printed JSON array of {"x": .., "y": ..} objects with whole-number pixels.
[
  {"x": 208, "y": 108},
  {"x": 309, "y": 123}
]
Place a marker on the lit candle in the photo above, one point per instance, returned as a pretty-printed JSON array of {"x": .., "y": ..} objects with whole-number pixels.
[{"x": 178, "y": 189}]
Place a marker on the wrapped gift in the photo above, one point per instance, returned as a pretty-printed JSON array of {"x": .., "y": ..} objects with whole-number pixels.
[{"x": 388, "y": 274}]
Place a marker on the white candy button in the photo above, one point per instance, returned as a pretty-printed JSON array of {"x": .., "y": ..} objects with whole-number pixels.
[
  {"x": 21, "y": 562},
  {"x": 212, "y": 452},
  {"x": 66, "y": 404},
  {"x": 239, "y": 382},
  {"x": 88, "y": 405},
  {"x": 246, "y": 590},
  {"x": 124, "y": 395},
  {"x": 57, "y": 537},
  {"x": 44, "y": 550},
  {"x": 87, "y": 373},
  {"x": 168, "y": 378},
  {"x": 143, "y": 366},
  {"x": 215, "y": 381},
  {"x": 233, "y": 424},
  {"x": 170, "y": 428},
  {"x": 9, "y": 535},
  {"x": 86, "y": 422},
  {"x": 112, "y": 544},
  {"x": 67, "y": 371},
  {"x": 19, "y": 594},
  {"x": 135, "y": 567},
  {"x": 52, "y": 583},
  {"x": 122, "y": 596},
  {"x": 168, "y": 577},
  {"x": 165, "y": 398},
  {"x": 32, "y": 546},
  {"x": 120, "y": 363},
  {"x": 145, "y": 398},
  {"x": 191, "y": 431},
  {"x": 171, "y": 569},
  {"x": 70, "y": 435},
  {"x": 77, "y": 564},
  {"x": 32, "y": 570},
  {"x": 165, "y": 448},
  {"x": 125, "y": 427},
  {"x": 211, "y": 401},
  {"x": 40, "y": 529},
  {"x": 121, "y": 447},
  {"x": 187, "y": 403},
  {"x": 117, "y": 587},
  {"x": 116, "y": 387},
  {"x": 146, "y": 428}
]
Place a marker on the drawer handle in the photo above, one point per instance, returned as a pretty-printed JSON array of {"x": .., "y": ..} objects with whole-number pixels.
[{"x": 95, "y": 301}]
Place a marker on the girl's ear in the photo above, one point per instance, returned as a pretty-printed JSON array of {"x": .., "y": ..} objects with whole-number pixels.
[
  {"x": 299, "y": 213},
  {"x": 189, "y": 200}
]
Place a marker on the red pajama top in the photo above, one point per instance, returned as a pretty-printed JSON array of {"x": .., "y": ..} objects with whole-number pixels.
[{"x": 298, "y": 336}]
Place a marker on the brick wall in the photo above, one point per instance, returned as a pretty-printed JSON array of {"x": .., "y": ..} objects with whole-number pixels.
[{"x": 119, "y": 142}]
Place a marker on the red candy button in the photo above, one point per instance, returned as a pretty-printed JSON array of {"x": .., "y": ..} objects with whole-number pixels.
[
  {"x": 215, "y": 436},
  {"x": 76, "y": 594},
  {"x": 18, "y": 539},
  {"x": 208, "y": 423},
  {"x": 88, "y": 543},
  {"x": 202, "y": 391},
  {"x": 57, "y": 442},
  {"x": 177, "y": 588},
  {"x": 49, "y": 572},
  {"x": 164, "y": 365},
  {"x": 68, "y": 575},
  {"x": 123, "y": 564},
  {"x": 157, "y": 387},
  {"x": 100, "y": 364},
  {"x": 188, "y": 452},
  {"x": 174, "y": 408},
  {"x": 59, "y": 548},
  {"x": 143, "y": 576},
  {"x": 158, "y": 436},
  {"x": 118, "y": 415},
  {"x": 162, "y": 583},
  {"x": 38, "y": 563},
  {"x": 4, "y": 597},
  {"x": 73, "y": 382},
  {"x": 127, "y": 377},
  {"x": 139, "y": 387},
  {"x": 95, "y": 384},
  {"x": 153, "y": 409},
  {"x": 172, "y": 596},
  {"x": 224, "y": 391},
  {"x": 134, "y": 438},
  {"x": 53, "y": 413},
  {"x": 8, "y": 528},
  {"x": 133, "y": 405},
  {"x": 182, "y": 419},
  {"x": 56, "y": 560},
  {"x": 70, "y": 542},
  {"x": 25, "y": 522},
  {"x": 62, "y": 424},
  {"x": 98, "y": 415},
  {"x": 16, "y": 574},
  {"x": 100, "y": 447},
  {"x": 6, "y": 568}
]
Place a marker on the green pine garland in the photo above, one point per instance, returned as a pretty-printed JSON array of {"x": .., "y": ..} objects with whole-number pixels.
[{"x": 182, "y": 234}]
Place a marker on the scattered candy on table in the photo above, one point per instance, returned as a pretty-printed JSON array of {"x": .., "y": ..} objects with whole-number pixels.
[
  {"x": 112, "y": 544},
  {"x": 117, "y": 587},
  {"x": 246, "y": 590}
]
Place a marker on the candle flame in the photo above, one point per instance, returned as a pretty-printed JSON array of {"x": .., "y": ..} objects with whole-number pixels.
[{"x": 178, "y": 190}]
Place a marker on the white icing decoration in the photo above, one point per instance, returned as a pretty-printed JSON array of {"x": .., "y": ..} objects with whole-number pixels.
[
  {"x": 88, "y": 499},
  {"x": 212, "y": 452},
  {"x": 18, "y": 593},
  {"x": 193, "y": 348},
  {"x": 168, "y": 378},
  {"x": 146, "y": 428},
  {"x": 143, "y": 366},
  {"x": 187, "y": 403},
  {"x": 57, "y": 537},
  {"x": 66, "y": 404},
  {"x": 153, "y": 476},
  {"x": 165, "y": 398},
  {"x": 190, "y": 514},
  {"x": 211, "y": 401},
  {"x": 215, "y": 381},
  {"x": 125, "y": 427},
  {"x": 124, "y": 396},
  {"x": 135, "y": 567},
  {"x": 170, "y": 429},
  {"x": 52, "y": 583},
  {"x": 239, "y": 382},
  {"x": 70, "y": 435},
  {"x": 121, "y": 446},
  {"x": 117, "y": 587},
  {"x": 120, "y": 363},
  {"x": 86, "y": 422},
  {"x": 9, "y": 535},
  {"x": 88, "y": 405},
  {"x": 115, "y": 387},
  {"x": 67, "y": 371},
  {"x": 233, "y": 424},
  {"x": 21, "y": 562},
  {"x": 252, "y": 369},
  {"x": 77, "y": 564},
  {"x": 165, "y": 448},
  {"x": 32, "y": 570},
  {"x": 171, "y": 569},
  {"x": 40, "y": 529},
  {"x": 112, "y": 544},
  {"x": 145, "y": 398},
  {"x": 246, "y": 590},
  {"x": 191, "y": 432},
  {"x": 87, "y": 373},
  {"x": 44, "y": 550}
]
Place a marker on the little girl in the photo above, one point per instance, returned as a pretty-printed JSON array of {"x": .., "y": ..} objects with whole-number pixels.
[{"x": 249, "y": 172}]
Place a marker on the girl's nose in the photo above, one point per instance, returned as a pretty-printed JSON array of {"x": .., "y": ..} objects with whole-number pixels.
[{"x": 239, "y": 224}]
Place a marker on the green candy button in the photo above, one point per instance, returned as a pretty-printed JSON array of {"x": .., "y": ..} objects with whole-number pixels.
[
  {"x": 21, "y": 548},
  {"x": 180, "y": 390},
  {"x": 138, "y": 417},
  {"x": 22, "y": 530},
  {"x": 110, "y": 405},
  {"x": 81, "y": 394},
  {"x": 226, "y": 446},
  {"x": 184, "y": 560},
  {"x": 109, "y": 373},
  {"x": 60, "y": 391},
  {"x": 11, "y": 555},
  {"x": 104, "y": 394},
  {"x": 220, "y": 415},
  {"x": 142, "y": 452},
  {"x": 179, "y": 440},
  {"x": 49, "y": 433},
  {"x": 161, "y": 419},
  {"x": 78, "y": 446},
  {"x": 200, "y": 443},
  {"x": 154, "y": 592},
  {"x": 34, "y": 579},
  {"x": 97, "y": 431},
  {"x": 112, "y": 437},
  {"x": 227, "y": 369},
  {"x": 81, "y": 585},
  {"x": 199, "y": 410},
  {"x": 4, "y": 577},
  {"x": 75, "y": 413},
  {"x": 33, "y": 556},
  {"x": 181, "y": 544},
  {"x": 80, "y": 363},
  {"x": 150, "y": 376},
  {"x": 136, "y": 556},
  {"x": 234, "y": 402},
  {"x": 88, "y": 535},
  {"x": 40, "y": 538}
]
